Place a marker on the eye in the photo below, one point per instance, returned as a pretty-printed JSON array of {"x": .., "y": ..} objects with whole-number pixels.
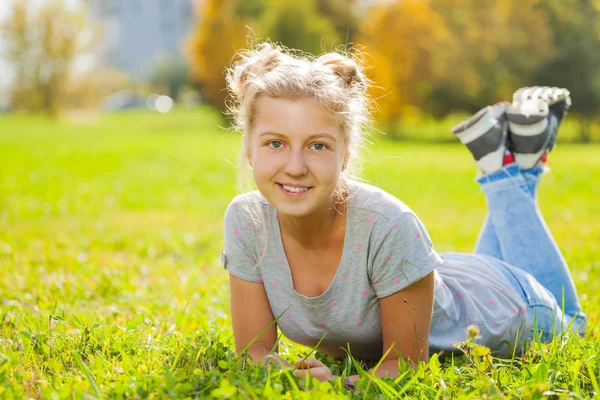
[
  {"x": 319, "y": 146},
  {"x": 275, "y": 144}
]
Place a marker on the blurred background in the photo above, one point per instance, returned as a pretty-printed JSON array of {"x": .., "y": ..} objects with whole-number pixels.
[{"x": 431, "y": 61}]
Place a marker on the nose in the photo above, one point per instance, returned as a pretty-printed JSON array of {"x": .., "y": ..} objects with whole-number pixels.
[{"x": 295, "y": 165}]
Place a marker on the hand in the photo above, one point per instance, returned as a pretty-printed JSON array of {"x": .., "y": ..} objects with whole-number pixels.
[{"x": 314, "y": 368}]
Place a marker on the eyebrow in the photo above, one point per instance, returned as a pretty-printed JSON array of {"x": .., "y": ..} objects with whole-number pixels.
[{"x": 316, "y": 135}]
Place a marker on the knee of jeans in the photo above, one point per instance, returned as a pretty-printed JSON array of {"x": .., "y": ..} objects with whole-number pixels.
[
  {"x": 546, "y": 322},
  {"x": 576, "y": 323}
]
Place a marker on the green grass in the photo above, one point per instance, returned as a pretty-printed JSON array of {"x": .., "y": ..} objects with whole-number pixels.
[{"x": 110, "y": 283}]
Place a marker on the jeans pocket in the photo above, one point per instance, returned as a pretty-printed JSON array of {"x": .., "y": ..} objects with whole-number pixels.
[{"x": 532, "y": 292}]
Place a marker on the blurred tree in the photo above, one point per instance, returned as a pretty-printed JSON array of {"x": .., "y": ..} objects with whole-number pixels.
[
  {"x": 221, "y": 31},
  {"x": 218, "y": 34},
  {"x": 342, "y": 15},
  {"x": 298, "y": 25},
  {"x": 43, "y": 41},
  {"x": 495, "y": 48},
  {"x": 404, "y": 56},
  {"x": 575, "y": 64},
  {"x": 169, "y": 72},
  {"x": 83, "y": 92},
  {"x": 250, "y": 9}
]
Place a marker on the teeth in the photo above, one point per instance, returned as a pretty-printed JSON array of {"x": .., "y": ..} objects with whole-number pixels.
[{"x": 293, "y": 189}]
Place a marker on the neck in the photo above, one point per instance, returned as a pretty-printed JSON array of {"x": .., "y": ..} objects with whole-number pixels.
[{"x": 318, "y": 229}]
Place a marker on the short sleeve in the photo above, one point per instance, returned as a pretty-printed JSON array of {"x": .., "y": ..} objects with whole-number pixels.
[
  {"x": 404, "y": 254},
  {"x": 238, "y": 256}
]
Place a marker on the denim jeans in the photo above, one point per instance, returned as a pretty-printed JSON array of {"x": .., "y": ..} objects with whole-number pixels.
[{"x": 516, "y": 235}]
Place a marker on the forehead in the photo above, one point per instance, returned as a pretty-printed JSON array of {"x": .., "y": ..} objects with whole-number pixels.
[{"x": 294, "y": 117}]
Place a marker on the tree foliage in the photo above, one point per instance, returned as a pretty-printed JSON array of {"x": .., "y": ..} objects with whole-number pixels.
[
  {"x": 222, "y": 28},
  {"x": 218, "y": 34},
  {"x": 298, "y": 25},
  {"x": 405, "y": 56},
  {"x": 43, "y": 42},
  {"x": 575, "y": 63},
  {"x": 494, "y": 48}
]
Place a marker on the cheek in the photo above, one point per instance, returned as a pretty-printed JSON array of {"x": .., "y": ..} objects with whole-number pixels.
[{"x": 266, "y": 163}]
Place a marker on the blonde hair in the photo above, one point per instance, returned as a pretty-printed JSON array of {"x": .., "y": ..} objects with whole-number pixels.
[{"x": 336, "y": 81}]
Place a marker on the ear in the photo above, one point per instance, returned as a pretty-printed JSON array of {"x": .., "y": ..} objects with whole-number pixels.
[
  {"x": 248, "y": 154},
  {"x": 346, "y": 159}
]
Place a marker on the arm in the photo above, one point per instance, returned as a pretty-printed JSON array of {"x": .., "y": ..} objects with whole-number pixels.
[
  {"x": 250, "y": 314},
  {"x": 405, "y": 326}
]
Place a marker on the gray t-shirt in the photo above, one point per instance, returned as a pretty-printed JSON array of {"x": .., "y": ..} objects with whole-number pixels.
[{"x": 386, "y": 249}]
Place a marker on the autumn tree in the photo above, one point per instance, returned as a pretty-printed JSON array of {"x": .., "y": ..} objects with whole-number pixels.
[
  {"x": 218, "y": 34},
  {"x": 221, "y": 31},
  {"x": 43, "y": 42},
  {"x": 343, "y": 16},
  {"x": 404, "y": 57},
  {"x": 575, "y": 63},
  {"x": 298, "y": 25},
  {"x": 494, "y": 47}
]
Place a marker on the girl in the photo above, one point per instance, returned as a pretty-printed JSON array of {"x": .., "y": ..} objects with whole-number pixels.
[{"x": 348, "y": 263}]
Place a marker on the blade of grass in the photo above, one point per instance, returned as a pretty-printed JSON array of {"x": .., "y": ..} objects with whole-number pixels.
[{"x": 88, "y": 375}]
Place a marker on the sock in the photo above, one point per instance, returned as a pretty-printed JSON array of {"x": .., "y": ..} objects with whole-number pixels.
[{"x": 508, "y": 159}]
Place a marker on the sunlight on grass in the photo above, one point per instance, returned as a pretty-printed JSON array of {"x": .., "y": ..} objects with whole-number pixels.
[{"x": 111, "y": 284}]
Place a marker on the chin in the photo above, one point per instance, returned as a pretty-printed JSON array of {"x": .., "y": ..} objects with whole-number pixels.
[{"x": 297, "y": 212}]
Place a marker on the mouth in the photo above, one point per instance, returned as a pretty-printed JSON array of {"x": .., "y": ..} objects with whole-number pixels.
[{"x": 293, "y": 190}]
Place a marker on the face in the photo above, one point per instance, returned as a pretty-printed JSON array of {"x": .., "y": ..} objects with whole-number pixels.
[{"x": 297, "y": 153}]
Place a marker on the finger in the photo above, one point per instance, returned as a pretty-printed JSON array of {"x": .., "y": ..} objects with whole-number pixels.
[
  {"x": 310, "y": 362},
  {"x": 313, "y": 362},
  {"x": 318, "y": 373}
]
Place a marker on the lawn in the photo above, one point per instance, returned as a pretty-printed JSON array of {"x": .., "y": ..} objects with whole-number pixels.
[{"x": 111, "y": 286}]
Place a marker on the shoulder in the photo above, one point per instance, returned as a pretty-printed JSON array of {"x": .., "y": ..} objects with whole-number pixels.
[
  {"x": 377, "y": 206},
  {"x": 246, "y": 206}
]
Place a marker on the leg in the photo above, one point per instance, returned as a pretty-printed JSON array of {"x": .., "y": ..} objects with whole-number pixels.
[
  {"x": 524, "y": 238},
  {"x": 487, "y": 241},
  {"x": 534, "y": 118}
]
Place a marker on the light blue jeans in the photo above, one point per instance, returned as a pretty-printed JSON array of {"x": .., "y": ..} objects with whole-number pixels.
[{"x": 515, "y": 233}]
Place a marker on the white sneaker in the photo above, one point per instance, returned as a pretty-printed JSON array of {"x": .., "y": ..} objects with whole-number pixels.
[
  {"x": 485, "y": 135},
  {"x": 533, "y": 120}
]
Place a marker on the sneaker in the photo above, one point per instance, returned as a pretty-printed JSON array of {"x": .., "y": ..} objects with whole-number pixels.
[
  {"x": 485, "y": 135},
  {"x": 533, "y": 120}
]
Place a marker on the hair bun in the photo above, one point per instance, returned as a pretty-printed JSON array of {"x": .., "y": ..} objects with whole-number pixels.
[
  {"x": 258, "y": 62},
  {"x": 345, "y": 68}
]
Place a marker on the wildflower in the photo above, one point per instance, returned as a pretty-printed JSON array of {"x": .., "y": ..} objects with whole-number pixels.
[{"x": 472, "y": 331}]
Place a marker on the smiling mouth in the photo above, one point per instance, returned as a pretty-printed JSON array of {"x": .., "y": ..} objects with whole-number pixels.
[{"x": 295, "y": 190}]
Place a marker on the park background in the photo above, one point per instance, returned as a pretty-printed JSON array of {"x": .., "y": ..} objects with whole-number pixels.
[{"x": 116, "y": 166}]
